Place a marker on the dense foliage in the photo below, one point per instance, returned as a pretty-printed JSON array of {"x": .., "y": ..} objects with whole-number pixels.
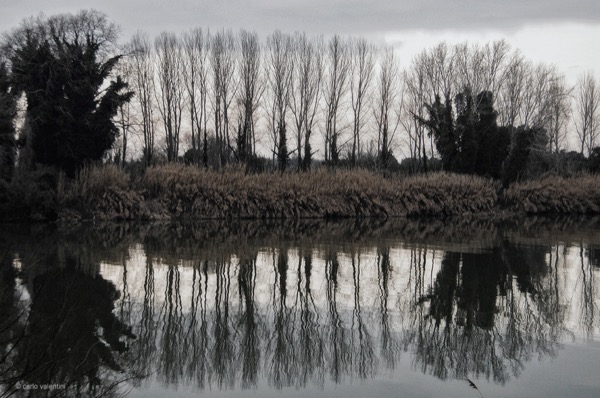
[
  {"x": 7, "y": 130},
  {"x": 470, "y": 141},
  {"x": 57, "y": 63}
]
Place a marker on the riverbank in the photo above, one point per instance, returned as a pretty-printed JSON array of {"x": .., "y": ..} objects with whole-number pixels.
[{"x": 179, "y": 192}]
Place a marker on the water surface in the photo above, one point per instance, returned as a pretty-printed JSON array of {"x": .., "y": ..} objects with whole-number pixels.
[{"x": 348, "y": 309}]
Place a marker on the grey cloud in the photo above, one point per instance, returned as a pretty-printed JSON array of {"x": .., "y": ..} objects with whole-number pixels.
[
  {"x": 365, "y": 17},
  {"x": 320, "y": 16}
]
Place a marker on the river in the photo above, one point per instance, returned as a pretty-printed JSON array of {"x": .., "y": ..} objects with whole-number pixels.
[{"x": 415, "y": 308}]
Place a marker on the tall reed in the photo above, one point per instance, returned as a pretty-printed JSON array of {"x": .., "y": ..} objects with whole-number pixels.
[{"x": 553, "y": 194}]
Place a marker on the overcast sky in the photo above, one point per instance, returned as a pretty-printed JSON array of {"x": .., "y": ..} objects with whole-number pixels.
[{"x": 566, "y": 33}]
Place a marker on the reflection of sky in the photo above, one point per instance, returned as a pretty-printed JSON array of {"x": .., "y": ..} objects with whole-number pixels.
[{"x": 562, "y": 32}]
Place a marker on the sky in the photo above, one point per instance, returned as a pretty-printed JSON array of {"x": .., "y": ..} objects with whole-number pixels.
[{"x": 565, "y": 33}]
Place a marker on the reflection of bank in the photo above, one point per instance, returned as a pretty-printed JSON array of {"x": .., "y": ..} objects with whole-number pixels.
[{"x": 70, "y": 336}]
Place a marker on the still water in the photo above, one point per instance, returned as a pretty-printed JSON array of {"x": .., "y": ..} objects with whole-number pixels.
[{"x": 336, "y": 309}]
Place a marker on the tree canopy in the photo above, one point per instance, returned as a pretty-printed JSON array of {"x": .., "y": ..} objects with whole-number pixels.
[
  {"x": 7, "y": 129},
  {"x": 61, "y": 66},
  {"x": 468, "y": 138}
]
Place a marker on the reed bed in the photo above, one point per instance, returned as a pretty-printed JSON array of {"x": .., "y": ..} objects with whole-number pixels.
[
  {"x": 324, "y": 193},
  {"x": 96, "y": 180},
  {"x": 102, "y": 192},
  {"x": 177, "y": 191},
  {"x": 552, "y": 194}
]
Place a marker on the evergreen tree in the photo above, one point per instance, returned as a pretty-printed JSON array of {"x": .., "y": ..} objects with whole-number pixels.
[
  {"x": 282, "y": 153},
  {"x": 7, "y": 129},
  {"x": 471, "y": 142},
  {"x": 466, "y": 124},
  {"x": 493, "y": 142},
  {"x": 520, "y": 158},
  {"x": 385, "y": 154},
  {"x": 441, "y": 125},
  {"x": 594, "y": 160},
  {"x": 69, "y": 111}
]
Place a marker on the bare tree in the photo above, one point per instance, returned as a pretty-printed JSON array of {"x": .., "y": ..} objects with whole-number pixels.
[
  {"x": 495, "y": 57},
  {"x": 439, "y": 65},
  {"x": 416, "y": 95},
  {"x": 471, "y": 71},
  {"x": 125, "y": 114},
  {"x": 559, "y": 112},
  {"x": 587, "y": 111},
  {"x": 171, "y": 90},
  {"x": 479, "y": 68},
  {"x": 142, "y": 80},
  {"x": 387, "y": 92},
  {"x": 304, "y": 97},
  {"x": 511, "y": 94},
  {"x": 280, "y": 73},
  {"x": 473, "y": 67},
  {"x": 363, "y": 62},
  {"x": 336, "y": 88},
  {"x": 223, "y": 62},
  {"x": 251, "y": 89},
  {"x": 534, "y": 108},
  {"x": 195, "y": 63}
]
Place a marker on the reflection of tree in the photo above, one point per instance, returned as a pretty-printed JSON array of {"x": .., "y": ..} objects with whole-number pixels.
[
  {"x": 339, "y": 359},
  {"x": 444, "y": 290},
  {"x": 71, "y": 334},
  {"x": 223, "y": 354},
  {"x": 11, "y": 330},
  {"x": 389, "y": 344},
  {"x": 310, "y": 344},
  {"x": 481, "y": 278},
  {"x": 594, "y": 256},
  {"x": 197, "y": 337},
  {"x": 172, "y": 319},
  {"x": 250, "y": 345},
  {"x": 588, "y": 310},
  {"x": 483, "y": 314},
  {"x": 365, "y": 363},
  {"x": 281, "y": 345},
  {"x": 479, "y": 324},
  {"x": 144, "y": 348}
]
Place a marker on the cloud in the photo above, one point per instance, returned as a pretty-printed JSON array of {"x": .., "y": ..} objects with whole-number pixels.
[
  {"x": 362, "y": 17},
  {"x": 437, "y": 15}
]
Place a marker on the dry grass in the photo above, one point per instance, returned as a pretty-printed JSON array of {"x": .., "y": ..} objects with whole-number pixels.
[
  {"x": 176, "y": 191},
  {"x": 580, "y": 194},
  {"x": 94, "y": 180},
  {"x": 179, "y": 191},
  {"x": 99, "y": 192},
  {"x": 177, "y": 178},
  {"x": 323, "y": 193}
]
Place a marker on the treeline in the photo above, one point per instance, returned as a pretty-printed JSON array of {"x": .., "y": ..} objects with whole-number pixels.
[
  {"x": 215, "y": 98},
  {"x": 349, "y": 101}
]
